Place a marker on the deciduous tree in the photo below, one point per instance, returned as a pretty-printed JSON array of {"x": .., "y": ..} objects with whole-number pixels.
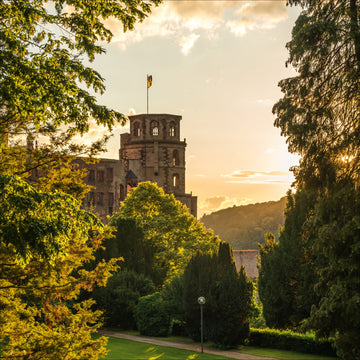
[
  {"x": 170, "y": 232},
  {"x": 46, "y": 88},
  {"x": 45, "y": 239}
]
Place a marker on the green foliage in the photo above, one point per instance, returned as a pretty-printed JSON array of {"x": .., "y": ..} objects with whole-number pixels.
[
  {"x": 287, "y": 273},
  {"x": 243, "y": 227},
  {"x": 118, "y": 300},
  {"x": 227, "y": 293},
  {"x": 152, "y": 317},
  {"x": 45, "y": 239},
  {"x": 338, "y": 241},
  {"x": 46, "y": 88},
  {"x": 319, "y": 115},
  {"x": 288, "y": 340},
  {"x": 43, "y": 46},
  {"x": 170, "y": 234},
  {"x": 128, "y": 242},
  {"x": 257, "y": 319}
]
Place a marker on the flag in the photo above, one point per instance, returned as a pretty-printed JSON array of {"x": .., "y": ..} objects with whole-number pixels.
[{"x": 149, "y": 80}]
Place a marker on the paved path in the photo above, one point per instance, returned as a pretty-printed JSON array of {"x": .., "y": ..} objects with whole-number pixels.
[{"x": 191, "y": 347}]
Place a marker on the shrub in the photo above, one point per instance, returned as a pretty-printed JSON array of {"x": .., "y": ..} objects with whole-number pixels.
[
  {"x": 288, "y": 340},
  {"x": 152, "y": 317},
  {"x": 120, "y": 297}
]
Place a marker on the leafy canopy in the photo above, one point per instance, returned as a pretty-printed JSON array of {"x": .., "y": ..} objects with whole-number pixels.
[
  {"x": 169, "y": 233},
  {"x": 47, "y": 88},
  {"x": 45, "y": 239},
  {"x": 43, "y": 46}
]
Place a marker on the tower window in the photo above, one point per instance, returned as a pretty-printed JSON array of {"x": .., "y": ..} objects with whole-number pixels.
[
  {"x": 100, "y": 176},
  {"x": 175, "y": 180},
  {"x": 136, "y": 129},
  {"x": 91, "y": 175},
  {"x": 154, "y": 128},
  {"x": 109, "y": 174},
  {"x": 175, "y": 158},
  {"x": 172, "y": 129},
  {"x": 110, "y": 199},
  {"x": 100, "y": 198},
  {"x": 91, "y": 198}
]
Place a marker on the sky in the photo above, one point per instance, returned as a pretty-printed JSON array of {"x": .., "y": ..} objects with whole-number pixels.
[{"x": 217, "y": 64}]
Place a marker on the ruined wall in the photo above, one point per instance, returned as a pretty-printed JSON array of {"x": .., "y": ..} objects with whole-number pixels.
[
  {"x": 248, "y": 258},
  {"x": 104, "y": 176}
]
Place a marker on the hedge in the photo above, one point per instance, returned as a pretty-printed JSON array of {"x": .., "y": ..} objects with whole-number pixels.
[
  {"x": 288, "y": 340},
  {"x": 151, "y": 316}
]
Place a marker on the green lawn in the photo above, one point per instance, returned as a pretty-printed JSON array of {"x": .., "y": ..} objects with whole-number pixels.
[
  {"x": 281, "y": 354},
  {"x": 122, "y": 349}
]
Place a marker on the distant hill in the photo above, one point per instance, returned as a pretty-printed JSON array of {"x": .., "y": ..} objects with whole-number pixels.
[{"x": 244, "y": 226}]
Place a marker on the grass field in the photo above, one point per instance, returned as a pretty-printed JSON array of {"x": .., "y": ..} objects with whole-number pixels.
[
  {"x": 122, "y": 349},
  {"x": 281, "y": 354}
]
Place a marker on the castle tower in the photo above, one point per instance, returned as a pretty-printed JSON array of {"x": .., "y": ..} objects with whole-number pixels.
[{"x": 153, "y": 151}]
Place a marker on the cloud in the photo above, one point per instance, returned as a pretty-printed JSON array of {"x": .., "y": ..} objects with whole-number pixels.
[
  {"x": 188, "y": 42},
  {"x": 257, "y": 15},
  {"x": 216, "y": 203},
  {"x": 259, "y": 177},
  {"x": 187, "y": 21},
  {"x": 266, "y": 102}
]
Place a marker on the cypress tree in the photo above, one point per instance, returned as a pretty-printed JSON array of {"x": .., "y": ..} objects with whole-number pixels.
[{"x": 228, "y": 298}]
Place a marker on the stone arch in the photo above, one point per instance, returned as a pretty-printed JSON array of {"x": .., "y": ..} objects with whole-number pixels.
[
  {"x": 175, "y": 157},
  {"x": 172, "y": 129},
  {"x": 175, "y": 180},
  {"x": 154, "y": 128},
  {"x": 136, "y": 129}
]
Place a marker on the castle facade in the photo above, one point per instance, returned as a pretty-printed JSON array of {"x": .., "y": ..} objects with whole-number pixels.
[{"x": 152, "y": 151}]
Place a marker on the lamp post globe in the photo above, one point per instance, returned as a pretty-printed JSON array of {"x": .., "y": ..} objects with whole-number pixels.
[{"x": 201, "y": 300}]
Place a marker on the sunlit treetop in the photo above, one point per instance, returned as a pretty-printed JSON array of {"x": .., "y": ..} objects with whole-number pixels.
[
  {"x": 319, "y": 113},
  {"x": 43, "y": 46}
]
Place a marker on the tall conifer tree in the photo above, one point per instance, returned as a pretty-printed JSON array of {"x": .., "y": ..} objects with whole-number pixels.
[{"x": 319, "y": 116}]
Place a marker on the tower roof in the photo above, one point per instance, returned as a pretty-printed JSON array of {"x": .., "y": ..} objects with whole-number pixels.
[{"x": 130, "y": 175}]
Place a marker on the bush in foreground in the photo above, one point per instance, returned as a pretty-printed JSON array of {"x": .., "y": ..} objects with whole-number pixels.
[
  {"x": 152, "y": 317},
  {"x": 288, "y": 340},
  {"x": 120, "y": 297}
]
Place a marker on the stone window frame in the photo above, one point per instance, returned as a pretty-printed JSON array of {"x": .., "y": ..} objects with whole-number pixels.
[
  {"x": 154, "y": 128},
  {"x": 172, "y": 129},
  {"x": 175, "y": 180},
  {"x": 175, "y": 157},
  {"x": 136, "y": 129},
  {"x": 100, "y": 175}
]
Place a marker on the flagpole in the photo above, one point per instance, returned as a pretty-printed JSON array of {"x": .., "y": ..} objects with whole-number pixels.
[{"x": 147, "y": 94}]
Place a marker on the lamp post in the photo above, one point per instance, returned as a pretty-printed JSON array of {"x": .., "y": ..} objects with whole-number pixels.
[{"x": 202, "y": 301}]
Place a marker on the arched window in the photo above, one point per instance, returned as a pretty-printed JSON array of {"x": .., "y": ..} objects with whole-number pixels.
[
  {"x": 175, "y": 158},
  {"x": 136, "y": 130},
  {"x": 175, "y": 180},
  {"x": 121, "y": 192},
  {"x": 172, "y": 129},
  {"x": 154, "y": 128}
]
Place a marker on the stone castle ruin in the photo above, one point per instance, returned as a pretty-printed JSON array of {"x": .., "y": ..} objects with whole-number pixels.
[{"x": 152, "y": 151}]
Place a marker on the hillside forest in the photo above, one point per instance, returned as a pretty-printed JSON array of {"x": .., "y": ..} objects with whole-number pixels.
[{"x": 244, "y": 226}]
